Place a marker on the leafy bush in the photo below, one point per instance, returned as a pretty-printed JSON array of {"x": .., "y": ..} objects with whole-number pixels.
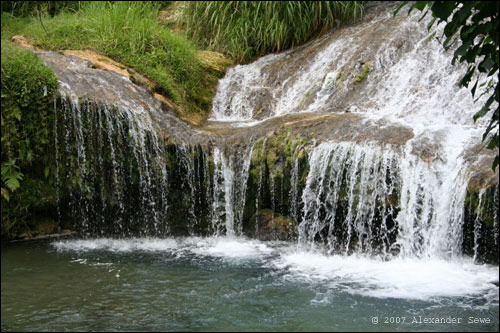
[
  {"x": 27, "y": 95},
  {"x": 246, "y": 29}
]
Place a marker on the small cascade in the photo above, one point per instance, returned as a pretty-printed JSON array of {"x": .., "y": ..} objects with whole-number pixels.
[
  {"x": 230, "y": 183},
  {"x": 123, "y": 179},
  {"x": 294, "y": 189},
  {"x": 56, "y": 155},
  {"x": 184, "y": 157},
  {"x": 431, "y": 207},
  {"x": 477, "y": 227},
  {"x": 294, "y": 184},
  {"x": 222, "y": 209},
  {"x": 349, "y": 198},
  {"x": 258, "y": 196},
  {"x": 113, "y": 168},
  {"x": 400, "y": 76},
  {"x": 371, "y": 199}
]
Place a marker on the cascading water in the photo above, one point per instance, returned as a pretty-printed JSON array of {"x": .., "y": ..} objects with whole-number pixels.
[
  {"x": 359, "y": 196},
  {"x": 117, "y": 167},
  {"x": 348, "y": 198},
  {"x": 118, "y": 174},
  {"x": 230, "y": 182},
  {"x": 368, "y": 196}
]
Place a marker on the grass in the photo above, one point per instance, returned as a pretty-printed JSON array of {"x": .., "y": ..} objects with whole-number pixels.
[
  {"x": 247, "y": 29},
  {"x": 129, "y": 33}
]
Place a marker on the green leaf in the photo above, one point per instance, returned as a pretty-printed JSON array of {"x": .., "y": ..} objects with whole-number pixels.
[
  {"x": 466, "y": 78},
  {"x": 12, "y": 184},
  {"x": 399, "y": 7},
  {"x": 484, "y": 110},
  {"x": 443, "y": 9},
  {"x": 486, "y": 64},
  {"x": 473, "y": 90},
  {"x": 420, "y": 5},
  {"x": 5, "y": 194},
  {"x": 493, "y": 142},
  {"x": 16, "y": 112},
  {"x": 463, "y": 48},
  {"x": 46, "y": 171}
]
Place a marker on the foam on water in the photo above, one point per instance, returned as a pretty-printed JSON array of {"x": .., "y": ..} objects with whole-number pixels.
[
  {"x": 117, "y": 245},
  {"x": 231, "y": 247},
  {"x": 398, "y": 278},
  {"x": 222, "y": 247}
]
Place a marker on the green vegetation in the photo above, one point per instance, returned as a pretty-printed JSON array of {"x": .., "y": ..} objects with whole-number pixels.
[
  {"x": 474, "y": 26},
  {"x": 33, "y": 8},
  {"x": 247, "y": 29},
  {"x": 129, "y": 33},
  {"x": 27, "y": 118},
  {"x": 363, "y": 74}
]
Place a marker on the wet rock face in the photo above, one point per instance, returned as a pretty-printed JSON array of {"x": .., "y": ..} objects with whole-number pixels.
[
  {"x": 480, "y": 160},
  {"x": 481, "y": 225},
  {"x": 269, "y": 225},
  {"x": 81, "y": 81}
]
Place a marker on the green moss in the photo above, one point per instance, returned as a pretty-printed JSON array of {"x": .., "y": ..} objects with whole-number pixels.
[
  {"x": 278, "y": 172},
  {"x": 271, "y": 158},
  {"x": 484, "y": 207},
  {"x": 363, "y": 74},
  {"x": 276, "y": 221}
]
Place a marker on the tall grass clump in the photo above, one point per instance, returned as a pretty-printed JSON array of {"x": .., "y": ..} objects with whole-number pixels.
[{"x": 246, "y": 29}]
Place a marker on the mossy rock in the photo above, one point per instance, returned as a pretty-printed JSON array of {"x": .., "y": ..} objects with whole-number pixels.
[{"x": 271, "y": 226}]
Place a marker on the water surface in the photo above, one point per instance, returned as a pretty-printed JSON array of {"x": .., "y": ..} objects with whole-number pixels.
[{"x": 236, "y": 284}]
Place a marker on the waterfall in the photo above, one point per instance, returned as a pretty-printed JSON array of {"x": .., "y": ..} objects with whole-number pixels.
[
  {"x": 230, "y": 183},
  {"x": 362, "y": 195},
  {"x": 391, "y": 180},
  {"x": 113, "y": 167},
  {"x": 347, "y": 198},
  {"x": 375, "y": 199}
]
